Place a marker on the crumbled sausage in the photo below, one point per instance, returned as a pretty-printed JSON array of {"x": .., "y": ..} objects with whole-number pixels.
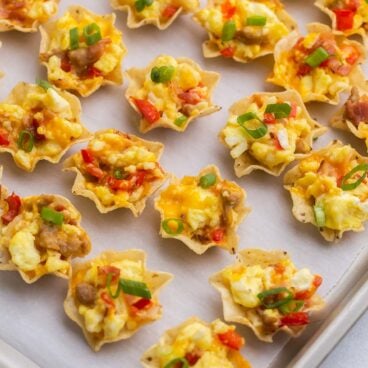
[{"x": 85, "y": 293}]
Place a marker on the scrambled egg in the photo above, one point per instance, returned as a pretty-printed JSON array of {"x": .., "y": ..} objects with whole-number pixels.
[{"x": 247, "y": 40}]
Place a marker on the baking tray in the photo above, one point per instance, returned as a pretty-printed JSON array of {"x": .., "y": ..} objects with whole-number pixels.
[{"x": 32, "y": 319}]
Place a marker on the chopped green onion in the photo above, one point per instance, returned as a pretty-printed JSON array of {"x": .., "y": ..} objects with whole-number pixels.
[
  {"x": 44, "y": 84},
  {"x": 108, "y": 286},
  {"x": 228, "y": 31},
  {"x": 162, "y": 74},
  {"x": 48, "y": 214},
  {"x": 256, "y": 20},
  {"x": 92, "y": 34},
  {"x": 174, "y": 362},
  {"x": 291, "y": 307},
  {"x": 317, "y": 57},
  {"x": 350, "y": 186},
  {"x": 141, "y": 4},
  {"x": 74, "y": 39},
  {"x": 169, "y": 229},
  {"x": 259, "y": 132},
  {"x": 280, "y": 110},
  {"x": 277, "y": 291},
  {"x": 136, "y": 288},
  {"x": 120, "y": 174},
  {"x": 180, "y": 120},
  {"x": 319, "y": 215},
  {"x": 26, "y": 141},
  {"x": 207, "y": 180}
]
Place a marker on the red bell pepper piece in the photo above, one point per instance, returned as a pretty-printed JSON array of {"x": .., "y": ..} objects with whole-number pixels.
[
  {"x": 303, "y": 70},
  {"x": 190, "y": 97},
  {"x": 139, "y": 178},
  {"x": 317, "y": 281},
  {"x": 269, "y": 118},
  {"x": 217, "y": 235},
  {"x": 14, "y": 203},
  {"x": 169, "y": 11},
  {"x": 228, "y": 52},
  {"x": 148, "y": 111},
  {"x": 4, "y": 139},
  {"x": 93, "y": 72},
  {"x": 295, "y": 319},
  {"x": 293, "y": 111},
  {"x": 228, "y": 10},
  {"x": 344, "y": 19},
  {"x": 231, "y": 339},
  {"x": 142, "y": 304},
  {"x": 87, "y": 156},
  {"x": 107, "y": 300},
  {"x": 95, "y": 171}
]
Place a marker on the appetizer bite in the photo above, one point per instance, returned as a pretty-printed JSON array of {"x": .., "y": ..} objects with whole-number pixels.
[
  {"x": 266, "y": 292},
  {"x": 117, "y": 170},
  {"x": 329, "y": 189},
  {"x": 319, "y": 65},
  {"x": 112, "y": 296},
  {"x": 353, "y": 116},
  {"x": 160, "y": 13},
  {"x": 267, "y": 131},
  {"x": 242, "y": 29},
  {"x": 199, "y": 344},
  {"x": 170, "y": 93},
  {"x": 202, "y": 211},
  {"x": 39, "y": 122},
  {"x": 82, "y": 51},
  {"x": 40, "y": 235},
  {"x": 25, "y": 15}
]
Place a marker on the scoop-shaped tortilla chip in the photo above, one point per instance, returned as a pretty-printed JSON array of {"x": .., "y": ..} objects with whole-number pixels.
[
  {"x": 189, "y": 91},
  {"x": 44, "y": 124},
  {"x": 131, "y": 171},
  {"x": 154, "y": 280},
  {"x": 85, "y": 65},
  {"x": 235, "y": 312},
  {"x": 202, "y": 211},
  {"x": 299, "y": 141}
]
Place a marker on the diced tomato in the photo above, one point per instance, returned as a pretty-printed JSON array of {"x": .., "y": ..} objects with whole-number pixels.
[
  {"x": 142, "y": 304},
  {"x": 228, "y": 10},
  {"x": 317, "y": 281},
  {"x": 4, "y": 139},
  {"x": 66, "y": 65},
  {"x": 344, "y": 19},
  {"x": 231, "y": 339},
  {"x": 169, "y": 11},
  {"x": 139, "y": 178},
  {"x": 93, "y": 72},
  {"x": 116, "y": 184},
  {"x": 95, "y": 171},
  {"x": 217, "y": 235},
  {"x": 190, "y": 97},
  {"x": 105, "y": 270},
  {"x": 295, "y": 319},
  {"x": 14, "y": 203},
  {"x": 107, "y": 300},
  {"x": 303, "y": 295},
  {"x": 269, "y": 118},
  {"x": 87, "y": 156},
  {"x": 148, "y": 111},
  {"x": 228, "y": 52},
  {"x": 294, "y": 109},
  {"x": 192, "y": 358},
  {"x": 303, "y": 70}
]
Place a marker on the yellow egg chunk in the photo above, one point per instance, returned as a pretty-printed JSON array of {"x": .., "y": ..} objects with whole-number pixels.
[
  {"x": 39, "y": 123},
  {"x": 329, "y": 189},
  {"x": 170, "y": 93},
  {"x": 243, "y": 29},
  {"x": 202, "y": 211},
  {"x": 82, "y": 51},
  {"x": 319, "y": 65},
  {"x": 114, "y": 295},
  {"x": 199, "y": 344},
  {"x": 160, "y": 13},
  {"x": 117, "y": 170},
  {"x": 40, "y": 235},
  {"x": 267, "y": 131},
  {"x": 26, "y": 15},
  {"x": 266, "y": 292}
]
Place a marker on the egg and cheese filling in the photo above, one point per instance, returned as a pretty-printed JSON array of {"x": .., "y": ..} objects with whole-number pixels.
[
  {"x": 242, "y": 28},
  {"x": 271, "y": 138},
  {"x": 330, "y": 182},
  {"x": 118, "y": 169},
  {"x": 40, "y": 125}
]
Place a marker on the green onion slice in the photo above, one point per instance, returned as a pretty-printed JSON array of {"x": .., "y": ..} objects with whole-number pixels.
[
  {"x": 177, "y": 229},
  {"x": 48, "y": 214},
  {"x": 277, "y": 291},
  {"x": 180, "y": 120},
  {"x": 92, "y": 34},
  {"x": 350, "y": 186},
  {"x": 26, "y": 141},
  {"x": 119, "y": 174},
  {"x": 319, "y": 215},
  {"x": 74, "y": 38},
  {"x": 174, "y": 362},
  {"x": 317, "y": 57},
  {"x": 141, "y": 4},
  {"x": 207, "y": 180},
  {"x": 259, "y": 132},
  {"x": 256, "y": 20},
  {"x": 280, "y": 110},
  {"x": 136, "y": 288},
  {"x": 44, "y": 84},
  {"x": 228, "y": 31},
  {"x": 291, "y": 307},
  {"x": 162, "y": 74}
]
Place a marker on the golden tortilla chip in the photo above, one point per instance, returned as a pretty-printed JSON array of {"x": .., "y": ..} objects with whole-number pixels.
[
  {"x": 265, "y": 322},
  {"x": 246, "y": 42},
  {"x": 186, "y": 95},
  {"x": 85, "y": 65},
  {"x": 316, "y": 186},
  {"x": 202, "y": 211},
  {"x": 130, "y": 171},
  {"x": 160, "y": 14},
  {"x": 210, "y": 357},
  {"x": 339, "y": 71},
  {"x": 103, "y": 318},
  {"x": 285, "y": 139},
  {"x": 44, "y": 124}
]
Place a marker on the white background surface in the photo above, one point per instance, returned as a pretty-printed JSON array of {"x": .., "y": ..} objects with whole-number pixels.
[{"x": 32, "y": 318}]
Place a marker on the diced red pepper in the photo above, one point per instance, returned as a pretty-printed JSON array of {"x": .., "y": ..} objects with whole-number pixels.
[
  {"x": 295, "y": 319},
  {"x": 228, "y": 52},
  {"x": 4, "y": 139},
  {"x": 228, "y": 10},
  {"x": 277, "y": 143},
  {"x": 93, "y": 72},
  {"x": 303, "y": 70},
  {"x": 142, "y": 304},
  {"x": 95, "y": 171},
  {"x": 87, "y": 156},
  {"x": 107, "y": 300},
  {"x": 14, "y": 203},
  {"x": 66, "y": 65},
  {"x": 148, "y": 111},
  {"x": 317, "y": 281},
  {"x": 269, "y": 118},
  {"x": 116, "y": 184},
  {"x": 139, "y": 178},
  {"x": 192, "y": 358},
  {"x": 231, "y": 339},
  {"x": 344, "y": 19},
  {"x": 217, "y": 235},
  {"x": 105, "y": 270},
  {"x": 169, "y": 11},
  {"x": 294, "y": 109}
]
